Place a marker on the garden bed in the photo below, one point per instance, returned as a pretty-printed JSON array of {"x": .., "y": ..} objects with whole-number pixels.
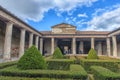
[
  {"x": 79, "y": 73},
  {"x": 110, "y": 64},
  {"x": 101, "y": 73}
]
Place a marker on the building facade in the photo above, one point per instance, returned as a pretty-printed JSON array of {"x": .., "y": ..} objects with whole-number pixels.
[{"x": 16, "y": 36}]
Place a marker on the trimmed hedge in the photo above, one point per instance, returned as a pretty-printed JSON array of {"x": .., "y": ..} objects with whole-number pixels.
[
  {"x": 14, "y": 71},
  {"x": 59, "y": 64},
  {"x": 92, "y": 54},
  {"x": 101, "y": 73},
  {"x": 58, "y": 54},
  {"x": 32, "y": 59},
  {"x": 110, "y": 64},
  {"x": 24, "y": 78},
  {"x": 6, "y": 64}
]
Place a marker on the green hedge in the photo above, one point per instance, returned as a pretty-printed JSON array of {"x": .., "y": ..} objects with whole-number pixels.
[
  {"x": 14, "y": 71},
  {"x": 110, "y": 64},
  {"x": 59, "y": 64},
  {"x": 101, "y": 73},
  {"x": 92, "y": 54},
  {"x": 32, "y": 59},
  {"x": 58, "y": 54},
  {"x": 6, "y": 64},
  {"x": 24, "y": 78}
]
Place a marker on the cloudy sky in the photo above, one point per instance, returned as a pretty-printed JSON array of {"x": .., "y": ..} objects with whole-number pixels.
[{"x": 101, "y": 15}]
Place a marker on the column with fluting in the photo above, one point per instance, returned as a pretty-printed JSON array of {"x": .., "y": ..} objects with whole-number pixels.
[
  {"x": 22, "y": 42},
  {"x": 108, "y": 47},
  {"x": 92, "y": 42},
  {"x": 114, "y": 46},
  {"x": 74, "y": 45},
  {"x": 7, "y": 43},
  {"x": 52, "y": 45},
  {"x": 30, "y": 39}
]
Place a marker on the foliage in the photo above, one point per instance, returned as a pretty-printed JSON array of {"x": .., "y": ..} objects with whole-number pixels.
[
  {"x": 32, "y": 59},
  {"x": 59, "y": 64},
  {"x": 110, "y": 64},
  {"x": 24, "y": 78},
  {"x": 59, "y": 74},
  {"x": 92, "y": 54},
  {"x": 101, "y": 73},
  {"x": 6, "y": 64},
  {"x": 58, "y": 54}
]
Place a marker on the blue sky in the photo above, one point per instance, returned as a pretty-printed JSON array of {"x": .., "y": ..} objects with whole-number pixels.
[{"x": 103, "y": 15}]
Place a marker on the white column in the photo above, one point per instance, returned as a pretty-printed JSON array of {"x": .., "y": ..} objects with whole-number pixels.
[
  {"x": 92, "y": 42},
  {"x": 36, "y": 42},
  {"x": 8, "y": 38},
  {"x": 22, "y": 42},
  {"x": 30, "y": 40},
  {"x": 41, "y": 45},
  {"x": 82, "y": 46},
  {"x": 74, "y": 45},
  {"x": 52, "y": 45},
  {"x": 99, "y": 48},
  {"x": 108, "y": 47},
  {"x": 114, "y": 46}
]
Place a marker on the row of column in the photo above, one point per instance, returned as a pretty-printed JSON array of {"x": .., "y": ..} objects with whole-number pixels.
[
  {"x": 92, "y": 46},
  {"x": 8, "y": 38}
]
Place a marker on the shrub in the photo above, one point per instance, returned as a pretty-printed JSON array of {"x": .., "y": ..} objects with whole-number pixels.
[
  {"x": 101, "y": 73},
  {"x": 92, "y": 54},
  {"x": 32, "y": 59},
  {"x": 6, "y": 64},
  {"x": 58, "y": 74},
  {"x": 110, "y": 64},
  {"x": 58, "y": 54},
  {"x": 59, "y": 64}
]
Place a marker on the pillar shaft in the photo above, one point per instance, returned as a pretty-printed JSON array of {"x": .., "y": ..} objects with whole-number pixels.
[
  {"x": 74, "y": 45},
  {"x": 36, "y": 42},
  {"x": 108, "y": 47},
  {"x": 99, "y": 48},
  {"x": 114, "y": 46},
  {"x": 81, "y": 46},
  {"x": 8, "y": 38},
  {"x": 52, "y": 45},
  {"x": 22, "y": 42},
  {"x": 30, "y": 40},
  {"x": 41, "y": 45},
  {"x": 92, "y": 43}
]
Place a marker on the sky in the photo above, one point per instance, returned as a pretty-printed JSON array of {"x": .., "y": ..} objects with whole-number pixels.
[{"x": 99, "y": 15}]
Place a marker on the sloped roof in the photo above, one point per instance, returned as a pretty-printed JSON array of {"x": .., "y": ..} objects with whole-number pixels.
[
  {"x": 63, "y": 25},
  {"x": 81, "y": 32},
  {"x": 93, "y": 32}
]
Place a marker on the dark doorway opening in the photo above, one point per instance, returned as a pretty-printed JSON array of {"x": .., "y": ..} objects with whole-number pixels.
[
  {"x": 65, "y": 46},
  {"x": 87, "y": 46}
]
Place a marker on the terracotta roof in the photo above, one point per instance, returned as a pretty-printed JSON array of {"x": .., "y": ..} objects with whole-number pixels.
[
  {"x": 66, "y": 25},
  {"x": 82, "y": 32},
  {"x": 45, "y": 32},
  {"x": 93, "y": 32}
]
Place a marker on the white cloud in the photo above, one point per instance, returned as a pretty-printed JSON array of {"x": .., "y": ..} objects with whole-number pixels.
[
  {"x": 109, "y": 19},
  {"x": 82, "y": 15},
  {"x": 35, "y": 9}
]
